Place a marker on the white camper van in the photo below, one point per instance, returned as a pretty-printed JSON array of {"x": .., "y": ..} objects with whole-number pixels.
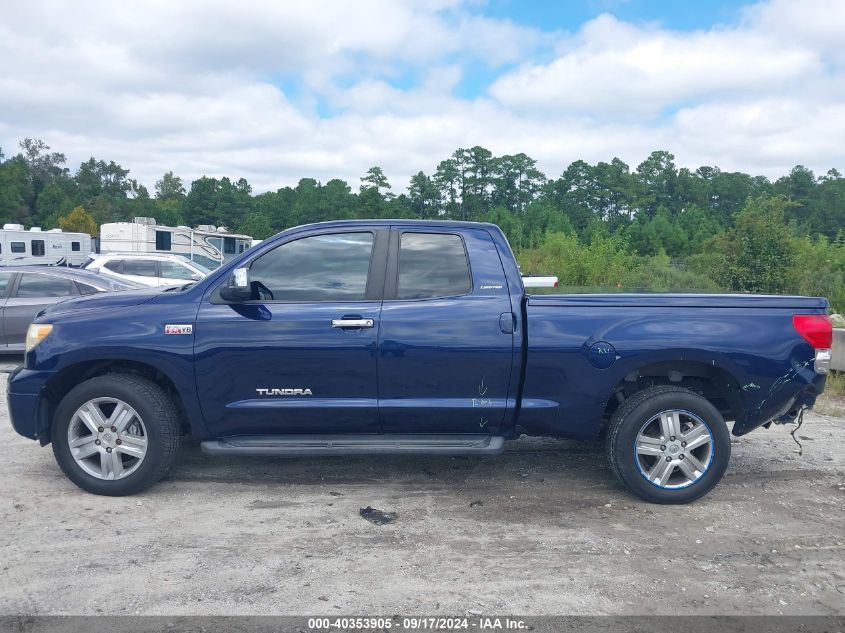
[
  {"x": 206, "y": 245},
  {"x": 54, "y": 247}
]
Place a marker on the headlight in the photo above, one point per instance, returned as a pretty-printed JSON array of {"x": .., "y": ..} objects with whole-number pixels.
[{"x": 36, "y": 333}]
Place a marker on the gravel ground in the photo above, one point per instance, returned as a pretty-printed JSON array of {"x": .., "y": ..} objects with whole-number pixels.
[{"x": 542, "y": 529}]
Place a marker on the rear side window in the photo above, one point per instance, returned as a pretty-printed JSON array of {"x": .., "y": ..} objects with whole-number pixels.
[
  {"x": 432, "y": 265},
  {"x": 163, "y": 240},
  {"x": 18, "y": 247},
  {"x": 35, "y": 285},
  {"x": 139, "y": 267},
  {"x": 5, "y": 278},
  {"x": 74, "y": 246},
  {"x": 318, "y": 268},
  {"x": 38, "y": 248}
]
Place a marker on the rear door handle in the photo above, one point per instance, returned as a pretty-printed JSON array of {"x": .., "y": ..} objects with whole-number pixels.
[{"x": 352, "y": 323}]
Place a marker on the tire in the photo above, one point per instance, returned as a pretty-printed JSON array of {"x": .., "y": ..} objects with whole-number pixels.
[
  {"x": 637, "y": 445},
  {"x": 137, "y": 456}
]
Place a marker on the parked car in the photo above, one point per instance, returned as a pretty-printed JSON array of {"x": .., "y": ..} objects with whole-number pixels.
[
  {"x": 26, "y": 290},
  {"x": 395, "y": 336},
  {"x": 148, "y": 269}
]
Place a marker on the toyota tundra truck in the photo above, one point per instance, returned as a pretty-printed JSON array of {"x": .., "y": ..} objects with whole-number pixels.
[{"x": 409, "y": 337}]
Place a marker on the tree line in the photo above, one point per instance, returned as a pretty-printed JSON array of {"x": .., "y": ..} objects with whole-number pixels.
[{"x": 656, "y": 225}]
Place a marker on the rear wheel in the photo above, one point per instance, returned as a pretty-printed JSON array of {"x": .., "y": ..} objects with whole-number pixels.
[
  {"x": 668, "y": 445},
  {"x": 116, "y": 434}
]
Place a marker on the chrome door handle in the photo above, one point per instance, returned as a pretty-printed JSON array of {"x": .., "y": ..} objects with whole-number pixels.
[{"x": 352, "y": 323}]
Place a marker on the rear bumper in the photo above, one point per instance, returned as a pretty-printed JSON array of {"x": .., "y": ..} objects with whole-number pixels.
[
  {"x": 24, "y": 394},
  {"x": 790, "y": 394}
]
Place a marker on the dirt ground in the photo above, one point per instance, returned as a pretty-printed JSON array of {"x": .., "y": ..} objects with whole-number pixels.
[{"x": 542, "y": 529}]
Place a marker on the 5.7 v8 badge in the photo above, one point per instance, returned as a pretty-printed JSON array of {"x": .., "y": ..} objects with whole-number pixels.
[{"x": 181, "y": 328}]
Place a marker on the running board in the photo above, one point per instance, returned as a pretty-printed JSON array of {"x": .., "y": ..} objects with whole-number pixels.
[{"x": 302, "y": 445}]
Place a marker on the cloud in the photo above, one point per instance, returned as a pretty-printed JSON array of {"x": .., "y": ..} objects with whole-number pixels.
[
  {"x": 277, "y": 91},
  {"x": 613, "y": 68}
]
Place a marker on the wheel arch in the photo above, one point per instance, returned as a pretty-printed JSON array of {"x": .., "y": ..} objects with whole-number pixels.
[
  {"x": 713, "y": 381},
  {"x": 58, "y": 386}
]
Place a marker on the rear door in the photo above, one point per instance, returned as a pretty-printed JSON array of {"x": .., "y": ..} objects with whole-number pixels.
[
  {"x": 32, "y": 293},
  {"x": 446, "y": 339},
  {"x": 300, "y": 357}
]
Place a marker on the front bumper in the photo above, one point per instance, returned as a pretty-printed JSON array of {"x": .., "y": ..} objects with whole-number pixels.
[{"x": 25, "y": 397}]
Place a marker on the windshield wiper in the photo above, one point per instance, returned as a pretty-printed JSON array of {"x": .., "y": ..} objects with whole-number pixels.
[{"x": 179, "y": 288}]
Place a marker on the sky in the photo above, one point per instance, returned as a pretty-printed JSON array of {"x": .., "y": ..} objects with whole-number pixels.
[{"x": 275, "y": 91}]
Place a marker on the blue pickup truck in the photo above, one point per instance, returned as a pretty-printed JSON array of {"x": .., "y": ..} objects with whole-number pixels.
[{"x": 409, "y": 337}]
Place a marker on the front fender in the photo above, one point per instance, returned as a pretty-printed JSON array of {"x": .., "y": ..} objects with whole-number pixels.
[{"x": 136, "y": 334}]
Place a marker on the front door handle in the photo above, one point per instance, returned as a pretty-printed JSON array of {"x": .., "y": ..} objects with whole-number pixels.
[{"x": 352, "y": 323}]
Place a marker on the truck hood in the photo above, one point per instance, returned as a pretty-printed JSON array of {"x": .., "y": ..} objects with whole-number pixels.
[{"x": 102, "y": 301}]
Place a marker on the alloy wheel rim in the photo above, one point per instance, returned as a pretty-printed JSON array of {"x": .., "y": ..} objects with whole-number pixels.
[
  {"x": 107, "y": 438},
  {"x": 674, "y": 449}
]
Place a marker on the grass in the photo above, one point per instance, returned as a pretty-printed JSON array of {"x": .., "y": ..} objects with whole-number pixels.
[
  {"x": 835, "y": 383},
  {"x": 832, "y": 401}
]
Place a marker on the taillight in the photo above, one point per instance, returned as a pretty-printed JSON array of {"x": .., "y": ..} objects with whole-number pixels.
[{"x": 816, "y": 329}]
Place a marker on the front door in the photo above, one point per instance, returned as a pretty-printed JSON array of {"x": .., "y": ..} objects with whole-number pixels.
[
  {"x": 300, "y": 357},
  {"x": 446, "y": 341}
]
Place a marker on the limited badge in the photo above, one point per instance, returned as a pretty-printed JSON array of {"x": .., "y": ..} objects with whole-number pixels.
[{"x": 179, "y": 329}]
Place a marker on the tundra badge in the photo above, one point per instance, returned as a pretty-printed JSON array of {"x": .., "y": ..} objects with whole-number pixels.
[{"x": 284, "y": 392}]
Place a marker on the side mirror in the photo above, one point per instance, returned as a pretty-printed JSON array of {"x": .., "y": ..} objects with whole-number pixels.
[
  {"x": 196, "y": 277},
  {"x": 238, "y": 288}
]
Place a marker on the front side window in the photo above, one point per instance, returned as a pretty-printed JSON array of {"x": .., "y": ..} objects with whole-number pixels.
[
  {"x": 35, "y": 285},
  {"x": 38, "y": 248},
  {"x": 87, "y": 289},
  {"x": 229, "y": 245},
  {"x": 204, "y": 262},
  {"x": 18, "y": 247},
  {"x": 113, "y": 265},
  {"x": 318, "y": 268},
  {"x": 432, "y": 265},
  {"x": 139, "y": 267},
  {"x": 163, "y": 240},
  {"x": 172, "y": 270},
  {"x": 74, "y": 246}
]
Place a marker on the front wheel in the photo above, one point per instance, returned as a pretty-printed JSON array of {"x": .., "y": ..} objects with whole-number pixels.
[
  {"x": 668, "y": 445},
  {"x": 116, "y": 434}
]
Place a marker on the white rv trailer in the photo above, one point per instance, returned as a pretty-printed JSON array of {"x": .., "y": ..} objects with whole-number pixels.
[
  {"x": 206, "y": 245},
  {"x": 19, "y": 247}
]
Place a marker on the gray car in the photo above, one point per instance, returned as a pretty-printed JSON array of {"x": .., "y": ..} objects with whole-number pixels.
[{"x": 25, "y": 290}]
